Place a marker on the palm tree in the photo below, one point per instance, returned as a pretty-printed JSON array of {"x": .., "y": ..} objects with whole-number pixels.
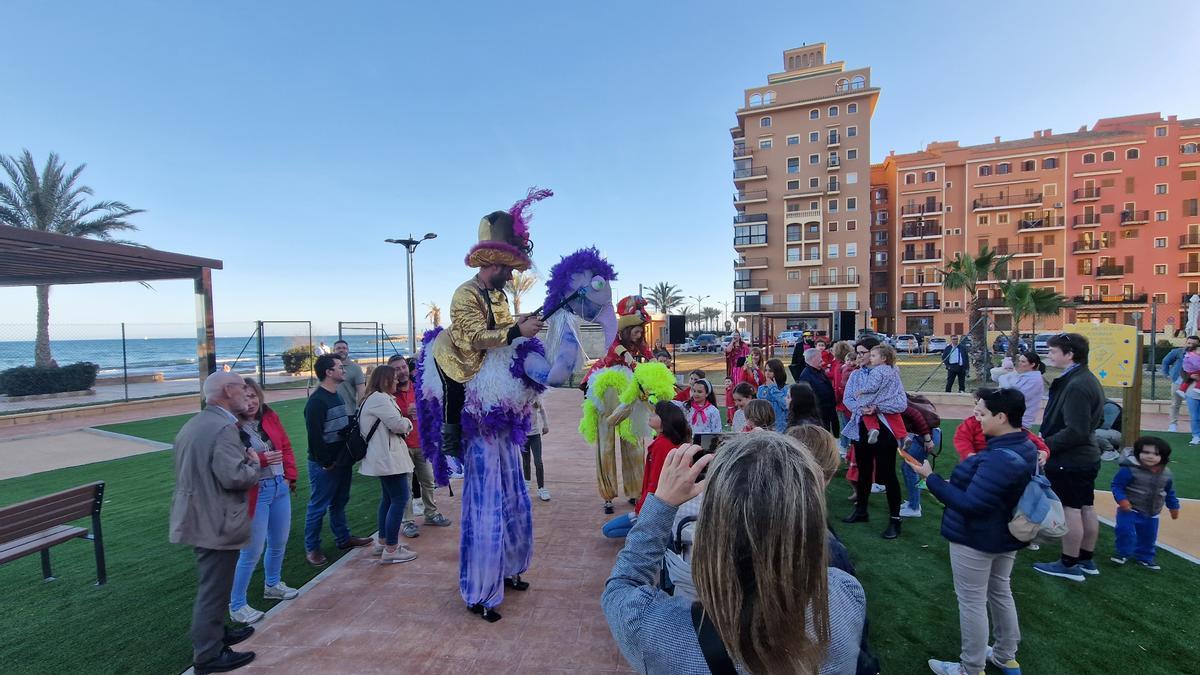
[
  {"x": 1024, "y": 301},
  {"x": 711, "y": 314},
  {"x": 519, "y": 285},
  {"x": 53, "y": 201},
  {"x": 434, "y": 314},
  {"x": 665, "y": 297},
  {"x": 964, "y": 273},
  {"x": 1047, "y": 302}
]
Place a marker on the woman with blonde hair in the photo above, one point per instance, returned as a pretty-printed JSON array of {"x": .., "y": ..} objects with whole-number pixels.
[
  {"x": 384, "y": 428},
  {"x": 759, "y": 562}
]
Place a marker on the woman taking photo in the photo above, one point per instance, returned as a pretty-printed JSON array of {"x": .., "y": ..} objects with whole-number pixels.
[
  {"x": 762, "y": 496},
  {"x": 384, "y": 429},
  {"x": 269, "y": 505},
  {"x": 980, "y": 497}
]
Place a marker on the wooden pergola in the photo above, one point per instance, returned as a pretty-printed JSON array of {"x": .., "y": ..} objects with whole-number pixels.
[{"x": 33, "y": 258}]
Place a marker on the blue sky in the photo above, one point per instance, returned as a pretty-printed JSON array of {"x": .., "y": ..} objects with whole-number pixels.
[{"x": 290, "y": 139}]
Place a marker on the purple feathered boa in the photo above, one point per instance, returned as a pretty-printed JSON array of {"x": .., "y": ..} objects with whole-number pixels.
[{"x": 429, "y": 414}]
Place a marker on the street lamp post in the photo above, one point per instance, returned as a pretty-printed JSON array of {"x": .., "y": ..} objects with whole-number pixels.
[
  {"x": 699, "y": 308},
  {"x": 410, "y": 245}
]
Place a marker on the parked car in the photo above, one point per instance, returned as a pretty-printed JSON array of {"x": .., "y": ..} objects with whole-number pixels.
[
  {"x": 707, "y": 342},
  {"x": 1040, "y": 343},
  {"x": 936, "y": 345},
  {"x": 689, "y": 345},
  {"x": 788, "y": 338},
  {"x": 907, "y": 343}
]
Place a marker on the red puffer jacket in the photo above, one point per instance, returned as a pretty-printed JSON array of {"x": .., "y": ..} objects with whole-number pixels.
[
  {"x": 969, "y": 439},
  {"x": 280, "y": 441}
]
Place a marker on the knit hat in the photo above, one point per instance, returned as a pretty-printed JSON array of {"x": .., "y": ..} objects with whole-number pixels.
[
  {"x": 631, "y": 311},
  {"x": 504, "y": 236}
]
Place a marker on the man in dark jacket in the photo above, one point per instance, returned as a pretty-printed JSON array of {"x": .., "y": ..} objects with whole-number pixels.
[
  {"x": 1073, "y": 413},
  {"x": 814, "y": 376},
  {"x": 954, "y": 357}
]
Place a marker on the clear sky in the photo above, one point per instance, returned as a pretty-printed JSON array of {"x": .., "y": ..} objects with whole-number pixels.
[{"x": 290, "y": 138}]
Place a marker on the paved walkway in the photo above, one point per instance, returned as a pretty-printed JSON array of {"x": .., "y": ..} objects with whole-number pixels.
[{"x": 364, "y": 617}]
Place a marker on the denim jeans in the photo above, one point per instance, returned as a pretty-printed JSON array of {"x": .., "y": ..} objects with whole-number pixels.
[
  {"x": 330, "y": 492},
  {"x": 620, "y": 526},
  {"x": 911, "y": 479},
  {"x": 272, "y": 521},
  {"x": 843, "y": 442},
  {"x": 1136, "y": 535},
  {"x": 1193, "y": 405},
  {"x": 392, "y": 500}
]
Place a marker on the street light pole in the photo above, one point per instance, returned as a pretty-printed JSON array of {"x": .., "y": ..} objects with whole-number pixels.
[
  {"x": 699, "y": 308},
  {"x": 410, "y": 245}
]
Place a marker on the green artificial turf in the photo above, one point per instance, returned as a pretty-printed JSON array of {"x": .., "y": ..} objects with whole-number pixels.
[{"x": 138, "y": 622}]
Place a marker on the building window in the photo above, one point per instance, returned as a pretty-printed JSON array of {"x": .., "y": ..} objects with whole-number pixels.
[
  {"x": 1160, "y": 270},
  {"x": 1189, "y": 148},
  {"x": 814, "y": 159},
  {"x": 1160, "y": 242},
  {"x": 1089, "y": 158},
  {"x": 793, "y": 185},
  {"x": 814, "y": 182},
  {"x": 1160, "y": 189},
  {"x": 1003, "y": 168},
  {"x": 1129, "y": 234},
  {"x": 832, "y": 206},
  {"x": 1132, "y": 153},
  {"x": 793, "y": 140},
  {"x": 852, "y": 225},
  {"x": 1050, "y": 163},
  {"x": 764, "y": 122},
  {"x": 910, "y": 178},
  {"x": 793, "y": 275},
  {"x": 983, "y": 219},
  {"x": 985, "y": 169},
  {"x": 814, "y": 114},
  {"x": 852, "y": 250},
  {"x": 793, "y": 165},
  {"x": 852, "y": 178},
  {"x": 1002, "y": 218},
  {"x": 1108, "y": 156},
  {"x": 1160, "y": 162},
  {"x": 793, "y": 254},
  {"x": 1160, "y": 131},
  {"x": 833, "y": 111},
  {"x": 1160, "y": 216},
  {"x": 794, "y": 232},
  {"x": 1028, "y": 165},
  {"x": 852, "y": 153},
  {"x": 814, "y": 136},
  {"x": 851, "y": 108},
  {"x": 851, "y": 132},
  {"x": 929, "y": 177},
  {"x": 1050, "y": 189},
  {"x": 833, "y": 226},
  {"x": 765, "y": 143},
  {"x": 852, "y": 203},
  {"x": 832, "y": 251}
]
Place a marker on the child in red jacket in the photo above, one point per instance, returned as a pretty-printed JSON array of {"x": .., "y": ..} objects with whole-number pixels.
[
  {"x": 673, "y": 431},
  {"x": 968, "y": 439}
]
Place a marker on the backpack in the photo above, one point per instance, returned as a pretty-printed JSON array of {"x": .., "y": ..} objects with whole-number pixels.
[
  {"x": 927, "y": 409},
  {"x": 1039, "y": 514},
  {"x": 356, "y": 445}
]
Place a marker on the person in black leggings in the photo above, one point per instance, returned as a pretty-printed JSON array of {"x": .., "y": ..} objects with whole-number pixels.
[{"x": 879, "y": 460}]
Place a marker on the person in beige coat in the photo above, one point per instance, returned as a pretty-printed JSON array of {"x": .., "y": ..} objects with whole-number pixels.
[
  {"x": 213, "y": 470},
  {"x": 381, "y": 423}
]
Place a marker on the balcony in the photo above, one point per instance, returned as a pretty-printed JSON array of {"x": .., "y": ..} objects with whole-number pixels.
[
  {"x": 1087, "y": 194},
  {"x": 931, "y": 305},
  {"x": 750, "y": 197},
  {"x": 952, "y": 310},
  {"x": 1190, "y": 267},
  {"x": 934, "y": 279},
  {"x": 880, "y": 265},
  {"x": 1086, "y": 220},
  {"x": 833, "y": 164},
  {"x": 806, "y": 307},
  {"x": 839, "y": 280},
  {"x": 1118, "y": 299},
  {"x": 834, "y": 140},
  {"x": 1136, "y": 217},
  {"x": 743, "y": 218},
  {"x": 920, "y": 230},
  {"x": 1036, "y": 274},
  {"x": 1047, "y": 223},
  {"x": 805, "y": 214},
  {"x": 1018, "y": 250},
  {"x": 1006, "y": 201},
  {"x": 922, "y": 256},
  {"x": 911, "y": 210},
  {"x": 1189, "y": 240},
  {"x": 833, "y": 188},
  {"x": 750, "y": 173},
  {"x": 1085, "y": 246},
  {"x": 1110, "y": 271},
  {"x": 750, "y": 240},
  {"x": 989, "y": 302},
  {"x": 749, "y": 263},
  {"x": 740, "y": 151},
  {"x": 747, "y": 284}
]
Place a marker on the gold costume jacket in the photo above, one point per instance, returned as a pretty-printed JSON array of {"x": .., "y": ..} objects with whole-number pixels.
[{"x": 461, "y": 356}]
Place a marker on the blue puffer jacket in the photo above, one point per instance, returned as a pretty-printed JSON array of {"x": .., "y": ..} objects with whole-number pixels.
[{"x": 982, "y": 492}]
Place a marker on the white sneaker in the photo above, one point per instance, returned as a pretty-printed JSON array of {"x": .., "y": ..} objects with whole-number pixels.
[
  {"x": 1172, "y": 427},
  {"x": 1034, "y": 547},
  {"x": 377, "y": 548},
  {"x": 1195, "y": 440},
  {"x": 246, "y": 614},
  {"x": 543, "y": 494},
  {"x": 908, "y": 512},
  {"x": 400, "y": 555},
  {"x": 876, "y": 488},
  {"x": 279, "y": 591},
  {"x": 418, "y": 507}
]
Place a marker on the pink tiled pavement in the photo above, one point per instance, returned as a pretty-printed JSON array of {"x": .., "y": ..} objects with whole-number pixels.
[{"x": 409, "y": 618}]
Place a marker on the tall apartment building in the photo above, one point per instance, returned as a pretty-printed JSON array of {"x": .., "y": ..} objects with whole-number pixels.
[
  {"x": 803, "y": 212},
  {"x": 1106, "y": 216}
]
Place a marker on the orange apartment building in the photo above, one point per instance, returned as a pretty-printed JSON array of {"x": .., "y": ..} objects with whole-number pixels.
[
  {"x": 1106, "y": 216},
  {"x": 802, "y": 177}
]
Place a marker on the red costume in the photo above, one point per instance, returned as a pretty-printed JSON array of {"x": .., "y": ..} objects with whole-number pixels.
[{"x": 631, "y": 311}]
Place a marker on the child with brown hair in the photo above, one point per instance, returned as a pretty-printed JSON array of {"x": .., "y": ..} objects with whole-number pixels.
[{"x": 760, "y": 416}]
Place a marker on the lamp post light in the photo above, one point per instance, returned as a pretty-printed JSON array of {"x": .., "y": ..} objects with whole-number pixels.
[
  {"x": 699, "y": 308},
  {"x": 410, "y": 245}
]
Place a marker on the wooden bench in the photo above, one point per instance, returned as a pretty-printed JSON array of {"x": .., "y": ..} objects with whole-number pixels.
[{"x": 37, "y": 525}]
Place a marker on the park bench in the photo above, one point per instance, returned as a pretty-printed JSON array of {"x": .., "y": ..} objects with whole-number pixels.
[{"x": 37, "y": 525}]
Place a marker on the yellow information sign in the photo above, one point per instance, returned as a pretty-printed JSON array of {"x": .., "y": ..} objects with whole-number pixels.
[{"x": 1112, "y": 354}]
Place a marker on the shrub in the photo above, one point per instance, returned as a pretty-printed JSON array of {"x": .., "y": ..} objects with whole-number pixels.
[
  {"x": 298, "y": 359},
  {"x": 32, "y": 380}
]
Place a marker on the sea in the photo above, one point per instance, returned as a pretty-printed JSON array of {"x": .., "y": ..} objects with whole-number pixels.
[{"x": 175, "y": 358}]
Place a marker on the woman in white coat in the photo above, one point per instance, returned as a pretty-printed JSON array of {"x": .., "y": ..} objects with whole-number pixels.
[{"x": 384, "y": 428}]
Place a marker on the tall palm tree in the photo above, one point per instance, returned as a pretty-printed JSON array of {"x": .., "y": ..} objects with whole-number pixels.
[
  {"x": 964, "y": 274},
  {"x": 665, "y": 297},
  {"x": 711, "y": 314},
  {"x": 518, "y": 286},
  {"x": 434, "y": 314},
  {"x": 1047, "y": 302},
  {"x": 1025, "y": 301},
  {"x": 54, "y": 201}
]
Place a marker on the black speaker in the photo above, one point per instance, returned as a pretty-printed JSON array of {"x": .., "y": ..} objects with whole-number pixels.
[
  {"x": 843, "y": 326},
  {"x": 676, "y": 329}
]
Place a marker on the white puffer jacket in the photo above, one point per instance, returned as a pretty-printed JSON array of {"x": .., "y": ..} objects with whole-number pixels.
[{"x": 387, "y": 453}]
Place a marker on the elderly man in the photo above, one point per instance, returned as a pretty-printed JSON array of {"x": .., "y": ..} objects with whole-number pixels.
[
  {"x": 213, "y": 470},
  {"x": 814, "y": 376}
]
